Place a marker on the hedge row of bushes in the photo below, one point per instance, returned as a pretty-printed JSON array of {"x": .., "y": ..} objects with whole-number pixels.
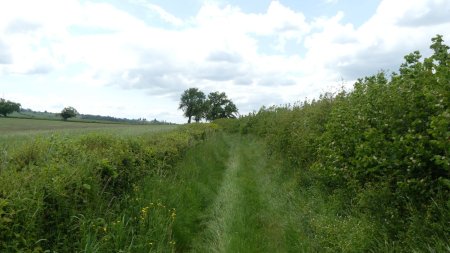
[
  {"x": 55, "y": 189},
  {"x": 384, "y": 146}
]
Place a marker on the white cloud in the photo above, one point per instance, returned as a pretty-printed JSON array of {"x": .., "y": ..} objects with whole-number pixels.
[
  {"x": 163, "y": 14},
  {"x": 5, "y": 55},
  {"x": 114, "y": 54},
  {"x": 381, "y": 42}
]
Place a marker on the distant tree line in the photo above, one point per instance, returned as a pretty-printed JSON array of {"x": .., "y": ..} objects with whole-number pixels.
[
  {"x": 70, "y": 112},
  {"x": 123, "y": 120},
  {"x": 217, "y": 105},
  {"x": 8, "y": 107}
]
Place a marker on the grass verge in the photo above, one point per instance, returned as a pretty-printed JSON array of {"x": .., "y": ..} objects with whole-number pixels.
[{"x": 81, "y": 193}]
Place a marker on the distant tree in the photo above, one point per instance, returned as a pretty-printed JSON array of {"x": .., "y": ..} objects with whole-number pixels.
[
  {"x": 8, "y": 107},
  {"x": 192, "y": 103},
  {"x": 68, "y": 112},
  {"x": 219, "y": 106},
  {"x": 201, "y": 112}
]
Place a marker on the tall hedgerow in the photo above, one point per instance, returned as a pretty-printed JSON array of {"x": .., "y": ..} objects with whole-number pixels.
[{"x": 384, "y": 146}]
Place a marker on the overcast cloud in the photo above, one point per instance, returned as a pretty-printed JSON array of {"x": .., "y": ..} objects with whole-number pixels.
[{"x": 135, "y": 59}]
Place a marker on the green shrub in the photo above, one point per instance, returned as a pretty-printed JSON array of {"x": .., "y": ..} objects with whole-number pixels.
[
  {"x": 54, "y": 190},
  {"x": 385, "y": 145}
]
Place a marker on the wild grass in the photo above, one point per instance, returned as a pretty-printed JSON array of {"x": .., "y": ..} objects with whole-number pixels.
[
  {"x": 100, "y": 192},
  {"x": 79, "y": 192},
  {"x": 163, "y": 213},
  {"x": 193, "y": 188},
  {"x": 244, "y": 217},
  {"x": 217, "y": 232}
]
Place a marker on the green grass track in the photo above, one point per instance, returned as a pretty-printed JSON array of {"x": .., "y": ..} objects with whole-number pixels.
[{"x": 240, "y": 219}]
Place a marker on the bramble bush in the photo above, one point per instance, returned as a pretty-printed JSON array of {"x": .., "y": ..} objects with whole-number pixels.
[
  {"x": 57, "y": 193},
  {"x": 383, "y": 148}
]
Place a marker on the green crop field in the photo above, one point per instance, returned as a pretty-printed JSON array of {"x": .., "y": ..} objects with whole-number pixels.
[{"x": 15, "y": 129}]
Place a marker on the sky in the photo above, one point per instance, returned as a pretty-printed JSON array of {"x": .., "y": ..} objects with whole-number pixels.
[{"x": 134, "y": 58}]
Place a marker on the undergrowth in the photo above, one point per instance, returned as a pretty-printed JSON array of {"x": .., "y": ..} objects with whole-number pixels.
[
  {"x": 81, "y": 193},
  {"x": 369, "y": 167}
]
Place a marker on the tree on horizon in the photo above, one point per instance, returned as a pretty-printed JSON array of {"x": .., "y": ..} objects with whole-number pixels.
[
  {"x": 219, "y": 106},
  {"x": 8, "y": 107},
  {"x": 68, "y": 112},
  {"x": 192, "y": 102}
]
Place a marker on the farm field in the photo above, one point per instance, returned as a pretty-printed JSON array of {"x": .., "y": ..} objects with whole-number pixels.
[
  {"x": 17, "y": 129},
  {"x": 13, "y": 126}
]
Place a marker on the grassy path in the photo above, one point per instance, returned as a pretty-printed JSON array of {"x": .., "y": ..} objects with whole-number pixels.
[
  {"x": 243, "y": 218},
  {"x": 262, "y": 205}
]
